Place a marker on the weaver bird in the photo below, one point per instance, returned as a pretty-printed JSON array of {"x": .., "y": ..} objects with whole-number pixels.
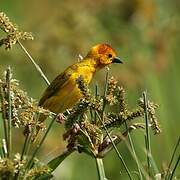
[{"x": 63, "y": 92}]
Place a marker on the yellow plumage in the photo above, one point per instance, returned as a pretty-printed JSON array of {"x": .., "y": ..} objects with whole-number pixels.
[{"x": 63, "y": 92}]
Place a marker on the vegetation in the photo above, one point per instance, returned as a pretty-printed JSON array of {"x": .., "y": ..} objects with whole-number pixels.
[{"x": 96, "y": 124}]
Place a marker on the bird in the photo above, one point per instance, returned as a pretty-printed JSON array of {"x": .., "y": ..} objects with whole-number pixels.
[{"x": 63, "y": 92}]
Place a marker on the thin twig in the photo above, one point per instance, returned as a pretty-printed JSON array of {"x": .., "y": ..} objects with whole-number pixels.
[
  {"x": 102, "y": 121},
  {"x": 176, "y": 165},
  {"x": 172, "y": 158},
  {"x": 134, "y": 152},
  {"x": 8, "y": 81},
  {"x": 96, "y": 94},
  {"x": 22, "y": 154},
  {"x": 30, "y": 163},
  {"x": 147, "y": 137},
  {"x": 4, "y": 147},
  {"x": 1, "y": 153},
  {"x": 105, "y": 93},
  {"x": 34, "y": 63},
  {"x": 4, "y": 118},
  {"x": 116, "y": 150},
  {"x": 130, "y": 150},
  {"x": 28, "y": 144},
  {"x": 24, "y": 146},
  {"x": 40, "y": 144}
]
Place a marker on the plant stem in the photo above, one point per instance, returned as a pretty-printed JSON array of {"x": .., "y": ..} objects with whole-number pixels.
[
  {"x": 122, "y": 137},
  {"x": 40, "y": 144},
  {"x": 34, "y": 63},
  {"x": 96, "y": 94},
  {"x": 1, "y": 153},
  {"x": 116, "y": 150},
  {"x": 4, "y": 147},
  {"x": 134, "y": 152},
  {"x": 100, "y": 168},
  {"x": 4, "y": 120},
  {"x": 24, "y": 146},
  {"x": 8, "y": 81},
  {"x": 101, "y": 118},
  {"x": 147, "y": 137},
  {"x": 172, "y": 158},
  {"x": 105, "y": 93},
  {"x": 22, "y": 154},
  {"x": 176, "y": 165}
]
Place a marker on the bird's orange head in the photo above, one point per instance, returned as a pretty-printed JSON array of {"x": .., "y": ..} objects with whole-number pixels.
[{"x": 103, "y": 54}]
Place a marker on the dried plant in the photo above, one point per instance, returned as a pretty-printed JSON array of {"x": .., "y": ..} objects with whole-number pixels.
[
  {"x": 81, "y": 129},
  {"x": 18, "y": 111},
  {"x": 91, "y": 127},
  {"x": 23, "y": 108},
  {"x": 13, "y": 33},
  {"x": 84, "y": 133}
]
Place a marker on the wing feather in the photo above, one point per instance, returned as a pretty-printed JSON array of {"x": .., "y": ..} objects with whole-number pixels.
[{"x": 55, "y": 86}]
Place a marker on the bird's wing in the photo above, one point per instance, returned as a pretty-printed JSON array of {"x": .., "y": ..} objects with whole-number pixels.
[{"x": 55, "y": 86}]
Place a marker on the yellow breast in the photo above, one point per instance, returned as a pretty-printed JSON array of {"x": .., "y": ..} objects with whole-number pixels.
[{"x": 69, "y": 94}]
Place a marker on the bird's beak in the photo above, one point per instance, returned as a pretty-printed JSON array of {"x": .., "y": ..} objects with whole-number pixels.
[{"x": 116, "y": 60}]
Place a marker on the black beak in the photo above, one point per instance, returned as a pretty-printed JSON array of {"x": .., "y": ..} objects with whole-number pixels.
[{"x": 116, "y": 60}]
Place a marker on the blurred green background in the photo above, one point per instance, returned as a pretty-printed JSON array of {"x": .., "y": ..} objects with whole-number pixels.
[{"x": 145, "y": 33}]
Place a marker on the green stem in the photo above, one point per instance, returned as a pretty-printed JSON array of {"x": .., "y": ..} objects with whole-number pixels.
[
  {"x": 147, "y": 137},
  {"x": 105, "y": 93},
  {"x": 8, "y": 79},
  {"x": 96, "y": 94},
  {"x": 29, "y": 139},
  {"x": 100, "y": 169},
  {"x": 4, "y": 119},
  {"x": 1, "y": 153},
  {"x": 34, "y": 63},
  {"x": 102, "y": 121},
  {"x": 115, "y": 148},
  {"x": 30, "y": 163},
  {"x": 134, "y": 152},
  {"x": 4, "y": 147},
  {"x": 172, "y": 158},
  {"x": 176, "y": 165},
  {"x": 122, "y": 137},
  {"x": 22, "y": 154},
  {"x": 24, "y": 146}
]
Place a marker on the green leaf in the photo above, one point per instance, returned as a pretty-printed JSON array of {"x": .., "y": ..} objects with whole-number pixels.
[
  {"x": 54, "y": 163},
  {"x": 44, "y": 177}
]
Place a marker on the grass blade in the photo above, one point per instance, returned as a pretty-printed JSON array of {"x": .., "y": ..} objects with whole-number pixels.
[
  {"x": 54, "y": 163},
  {"x": 172, "y": 158},
  {"x": 176, "y": 165},
  {"x": 134, "y": 152}
]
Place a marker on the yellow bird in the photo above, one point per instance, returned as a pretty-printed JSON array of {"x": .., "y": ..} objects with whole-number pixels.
[{"x": 63, "y": 92}]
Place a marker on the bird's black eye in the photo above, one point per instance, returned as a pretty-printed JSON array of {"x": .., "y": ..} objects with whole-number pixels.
[{"x": 109, "y": 55}]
